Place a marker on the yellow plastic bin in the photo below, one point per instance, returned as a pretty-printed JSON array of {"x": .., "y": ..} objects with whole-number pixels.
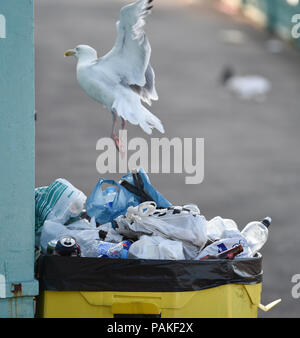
[{"x": 74, "y": 287}]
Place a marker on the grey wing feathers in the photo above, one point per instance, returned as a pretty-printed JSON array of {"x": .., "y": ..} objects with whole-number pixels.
[
  {"x": 144, "y": 10},
  {"x": 147, "y": 92},
  {"x": 130, "y": 56}
]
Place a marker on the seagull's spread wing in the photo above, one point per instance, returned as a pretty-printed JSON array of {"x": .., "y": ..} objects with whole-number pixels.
[{"x": 130, "y": 56}]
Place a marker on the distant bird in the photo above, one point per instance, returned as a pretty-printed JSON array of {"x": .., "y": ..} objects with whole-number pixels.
[
  {"x": 248, "y": 87},
  {"x": 123, "y": 77}
]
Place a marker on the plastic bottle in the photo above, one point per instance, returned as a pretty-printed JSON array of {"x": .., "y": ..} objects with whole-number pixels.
[
  {"x": 90, "y": 248},
  {"x": 110, "y": 195},
  {"x": 119, "y": 250},
  {"x": 103, "y": 248},
  {"x": 256, "y": 234}
]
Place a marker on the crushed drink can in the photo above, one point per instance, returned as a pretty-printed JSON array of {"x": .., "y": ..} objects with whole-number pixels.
[
  {"x": 51, "y": 247},
  {"x": 67, "y": 246}
]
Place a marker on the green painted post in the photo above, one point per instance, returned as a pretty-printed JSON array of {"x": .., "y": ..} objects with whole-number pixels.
[
  {"x": 272, "y": 15},
  {"x": 17, "y": 284}
]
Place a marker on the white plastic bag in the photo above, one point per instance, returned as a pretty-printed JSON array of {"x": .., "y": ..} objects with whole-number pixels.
[
  {"x": 182, "y": 226},
  {"x": 70, "y": 203},
  {"x": 105, "y": 227},
  {"x": 87, "y": 237},
  {"x": 190, "y": 251},
  {"x": 82, "y": 224},
  {"x": 217, "y": 225},
  {"x": 58, "y": 202},
  {"x": 233, "y": 239},
  {"x": 156, "y": 247},
  {"x": 111, "y": 235}
]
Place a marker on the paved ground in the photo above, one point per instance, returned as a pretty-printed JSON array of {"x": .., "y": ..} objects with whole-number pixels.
[{"x": 251, "y": 150}]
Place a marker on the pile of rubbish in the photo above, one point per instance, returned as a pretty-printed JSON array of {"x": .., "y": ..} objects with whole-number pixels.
[{"x": 130, "y": 219}]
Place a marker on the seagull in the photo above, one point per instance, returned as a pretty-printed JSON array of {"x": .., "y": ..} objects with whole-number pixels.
[
  {"x": 124, "y": 77},
  {"x": 247, "y": 87}
]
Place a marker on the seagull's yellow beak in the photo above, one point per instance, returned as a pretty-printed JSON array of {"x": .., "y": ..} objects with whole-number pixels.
[{"x": 70, "y": 52}]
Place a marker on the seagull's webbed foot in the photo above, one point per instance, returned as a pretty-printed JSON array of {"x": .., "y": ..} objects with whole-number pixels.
[{"x": 119, "y": 145}]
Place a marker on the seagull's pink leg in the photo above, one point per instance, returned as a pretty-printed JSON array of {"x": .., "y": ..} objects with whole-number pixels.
[
  {"x": 113, "y": 132},
  {"x": 123, "y": 123},
  {"x": 121, "y": 148},
  {"x": 115, "y": 137}
]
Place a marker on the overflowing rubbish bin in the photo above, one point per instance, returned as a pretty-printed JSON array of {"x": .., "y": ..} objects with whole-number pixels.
[
  {"x": 106, "y": 288},
  {"x": 132, "y": 253}
]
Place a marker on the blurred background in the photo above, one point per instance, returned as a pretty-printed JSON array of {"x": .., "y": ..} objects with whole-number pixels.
[{"x": 251, "y": 148}]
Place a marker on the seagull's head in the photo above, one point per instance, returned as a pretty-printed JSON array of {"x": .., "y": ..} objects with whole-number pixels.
[{"x": 82, "y": 51}]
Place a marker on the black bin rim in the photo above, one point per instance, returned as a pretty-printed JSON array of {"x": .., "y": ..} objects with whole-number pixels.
[{"x": 58, "y": 273}]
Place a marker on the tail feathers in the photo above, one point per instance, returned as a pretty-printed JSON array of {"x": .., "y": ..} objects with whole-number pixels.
[
  {"x": 123, "y": 109},
  {"x": 137, "y": 115},
  {"x": 147, "y": 96},
  {"x": 148, "y": 121}
]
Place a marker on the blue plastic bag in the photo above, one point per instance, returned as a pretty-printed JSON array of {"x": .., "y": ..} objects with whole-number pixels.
[
  {"x": 97, "y": 207},
  {"x": 148, "y": 189}
]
